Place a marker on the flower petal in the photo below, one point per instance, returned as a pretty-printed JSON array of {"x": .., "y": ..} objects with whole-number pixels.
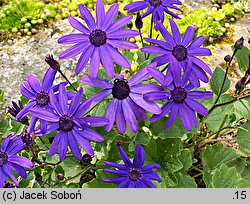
[
  {"x": 172, "y": 116},
  {"x": 45, "y": 114},
  {"x": 110, "y": 16},
  {"x": 87, "y": 16},
  {"x": 139, "y": 157},
  {"x": 95, "y": 63},
  {"x": 84, "y": 58},
  {"x": 125, "y": 158},
  {"x": 107, "y": 61},
  {"x": 73, "y": 38},
  {"x": 100, "y": 13},
  {"x": 96, "y": 82},
  {"x": 196, "y": 106},
  {"x": 48, "y": 79},
  {"x": 199, "y": 94},
  {"x": 188, "y": 36},
  {"x": 129, "y": 116},
  {"x": 119, "y": 118},
  {"x": 74, "y": 147},
  {"x": 110, "y": 114},
  {"x": 95, "y": 121},
  {"x": 122, "y": 44},
  {"x": 84, "y": 143},
  {"x": 148, "y": 106},
  {"x": 125, "y": 33},
  {"x": 136, "y": 6},
  {"x": 21, "y": 161},
  {"x": 119, "y": 24},
  {"x": 77, "y": 25},
  {"x": 75, "y": 102},
  {"x": 74, "y": 50},
  {"x": 118, "y": 57}
]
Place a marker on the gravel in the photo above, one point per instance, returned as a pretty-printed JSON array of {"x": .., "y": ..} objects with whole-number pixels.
[{"x": 24, "y": 56}]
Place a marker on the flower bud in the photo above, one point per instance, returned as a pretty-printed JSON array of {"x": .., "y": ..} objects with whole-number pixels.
[
  {"x": 119, "y": 143},
  {"x": 15, "y": 109},
  {"x": 60, "y": 176},
  {"x": 52, "y": 62},
  {"x": 86, "y": 159},
  {"x": 138, "y": 21},
  {"x": 130, "y": 25},
  {"x": 239, "y": 43},
  {"x": 26, "y": 138},
  {"x": 227, "y": 58},
  {"x": 8, "y": 185},
  {"x": 240, "y": 85}
]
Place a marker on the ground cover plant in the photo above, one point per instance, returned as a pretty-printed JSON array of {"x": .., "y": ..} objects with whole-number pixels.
[{"x": 123, "y": 125}]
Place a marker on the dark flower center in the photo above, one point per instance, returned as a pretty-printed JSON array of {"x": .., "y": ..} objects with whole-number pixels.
[
  {"x": 42, "y": 98},
  {"x": 98, "y": 37},
  {"x": 3, "y": 158},
  {"x": 155, "y": 3},
  {"x": 134, "y": 174},
  {"x": 179, "y": 94},
  {"x": 180, "y": 52},
  {"x": 120, "y": 89},
  {"x": 66, "y": 123}
]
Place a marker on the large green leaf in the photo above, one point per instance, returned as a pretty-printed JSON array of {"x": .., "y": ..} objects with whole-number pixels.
[
  {"x": 226, "y": 177},
  {"x": 243, "y": 139},
  {"x": 242, "y": 58},
  {"x": 217, "y": 79},
  {"x": 216, "y": 154},
  {"x": 165, "y": 152}
]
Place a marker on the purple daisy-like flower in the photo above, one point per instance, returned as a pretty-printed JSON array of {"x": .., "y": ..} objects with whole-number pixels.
[
  {"x": 38, "y": 96},
  {"x": 133, "y": 174},
  {"x": 10, "y": 161},
  {"x": 99, "y": 41},
  {"x": 181, "y": 100},
  {"x": 127, "y": 104},
  {"x": 180, "y": 53},
  {"x": 72, "y": 128},
  {"x": 156, "y": 7}
]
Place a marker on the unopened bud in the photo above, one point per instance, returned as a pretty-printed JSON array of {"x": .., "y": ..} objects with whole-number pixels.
[
  {"x": 86, "y": 159},
  {"x": 240, "y": 85},
  {"x": 119, "y": 143},
  {"x": 38, "y": 177},
  {"x": 60, "y": 176},
  {"x": 138, "y": 21},
  {"x": 27, "y": 138},
  {"x": 52, "y": 62},
  {"x": 227, "y": 58},
  {"x": 130, "y": 25},
  {"x": 239, "y": 43},
  {"x": 8, "y": 185}
]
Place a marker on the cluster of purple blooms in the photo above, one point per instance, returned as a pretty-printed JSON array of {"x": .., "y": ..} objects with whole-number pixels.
[{"x": 53, "y": 108}]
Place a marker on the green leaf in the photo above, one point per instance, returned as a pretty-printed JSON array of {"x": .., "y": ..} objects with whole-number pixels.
[
  {"x": 99, "y": 109},
  {"x": 1, "y": 95},
  {"x": 177, "y": 130},
  {"x": 71, "y": 168},
  {"x": 186, "y": 159},
  {"x": 226, "y": 177},
  {"x": 142, "y": 138},
  {"x": 243, "y": 139},
  {"x": 185, "y": 181},
  {"x": 217, "y": 79},
  {"x": 242, "y": 58},
  {"x": 3, "y": 126},
  {"x": 216, "y": 154},
  {"x": 98, "y": 183},
  {"x": 165, "y": 153}
]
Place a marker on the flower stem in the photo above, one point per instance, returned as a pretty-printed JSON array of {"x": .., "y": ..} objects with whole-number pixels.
[
  {"x": 150, "y": 34},
  {"x": 60, "y": 71},
  {"x": 145, "y": 54},
  {"x": 225, "y": 76}
]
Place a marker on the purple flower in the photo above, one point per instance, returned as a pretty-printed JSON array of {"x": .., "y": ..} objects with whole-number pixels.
[
  {"x": 72, "y": 128},
  {"x": 181, "y": 100},
  {"x": 39, "y": 96},
  {"x": 180, "y": 54},
  {"x": 156, "y": 7},
  {"x": 9, "y": 160},
  {"x": 15, "y": 110},
  {"x": 133, "y": 175},
  {"x": 127, "y": 103},
  {"x": 98, "y": 41}
]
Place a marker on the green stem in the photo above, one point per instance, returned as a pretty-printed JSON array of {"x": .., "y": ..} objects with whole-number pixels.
[
  {"x": 221, "y": 126},
  {"x": 197, "y": 169},
  {"x": 145, "y": 54},
  {"x": 197, "y": 175},
  {"x": 225, "y": 76}
]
